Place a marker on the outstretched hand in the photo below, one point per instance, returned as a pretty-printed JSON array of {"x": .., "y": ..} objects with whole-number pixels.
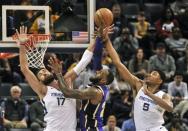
[
  {"x": 55, "y": 65},
  {"x": 22, "y": 35},
  {"x": 103, "y": 32}
]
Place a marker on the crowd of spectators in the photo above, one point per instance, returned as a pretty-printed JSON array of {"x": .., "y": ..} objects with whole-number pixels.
[{"x": 142, "y": 44}]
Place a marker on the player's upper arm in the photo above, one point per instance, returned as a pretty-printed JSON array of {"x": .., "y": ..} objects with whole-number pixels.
[
  {"x": 167, "y": 99},
  {"x": 37, "y": 86},
  {"x": 128, "y": 77}
]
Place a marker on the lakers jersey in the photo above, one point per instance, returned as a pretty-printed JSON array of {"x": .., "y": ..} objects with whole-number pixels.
[
  {"x": 147, "y": 114},
  {"x": 91, "y": 116},
  {"x": 60, "y": 112}
]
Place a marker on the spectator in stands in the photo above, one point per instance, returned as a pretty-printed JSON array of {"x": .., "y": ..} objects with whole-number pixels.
[
  {"x": 128, "y": 125},
  {"x": 162, "y": 61},
  {"x": 119, "y": 21},
  {"x": 177, "y": 88},
  {"x": 111, "y": 124},
  {"x": 182, "y": 109},
  {"x": 176, "y": 123},
  {"x": 122, "y": 105},
  {"x": 182, "y": 65},
  {"x": 138, "y": 65},
  {"x": 125, "y": 45},
  {"x": 176, "y": 43},
  {"x": 104, "y": 4},
  {"x": 5, "y": 70},
  {"x": 36, "y": 114},
  {"x": 166, "y": 23},
  {"x": 16, "y": 110},
  {"x": 182, "y": 19},
  {"x": 141, "y": 26},
  {"x": 178, "y": 6}
]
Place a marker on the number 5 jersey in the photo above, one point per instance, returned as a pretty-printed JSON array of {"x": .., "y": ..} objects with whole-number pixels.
[
  {"x": 147, "y": 114},
  {"x": 60, "y": 112}
]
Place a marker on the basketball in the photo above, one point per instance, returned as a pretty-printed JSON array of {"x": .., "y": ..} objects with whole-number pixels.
[{"x": 103, "y": 16}]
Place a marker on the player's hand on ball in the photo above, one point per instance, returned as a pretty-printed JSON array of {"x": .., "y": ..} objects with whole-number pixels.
[
  {"x": 103, "y": 32},
  {"x": 22, "y": 34},
  {"x": 55, "y": 65}
]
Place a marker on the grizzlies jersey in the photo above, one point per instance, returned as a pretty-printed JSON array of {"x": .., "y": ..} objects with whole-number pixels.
[
  {"x": 147, "y": 114},
  {"x": 91, "y": 116},
  {"x": 60, "y": 112}
]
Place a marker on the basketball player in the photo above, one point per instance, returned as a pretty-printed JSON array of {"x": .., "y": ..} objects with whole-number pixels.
[
  {"x": 150, "y": 103},
  {"x": 60, "y": 111},
  {"x": 93, "y": 97}
]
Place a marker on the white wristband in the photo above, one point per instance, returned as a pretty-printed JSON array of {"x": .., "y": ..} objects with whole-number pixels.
[{"x": 85, "y": 60}]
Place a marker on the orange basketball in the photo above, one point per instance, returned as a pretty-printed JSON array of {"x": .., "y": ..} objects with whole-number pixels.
[{"x": 103, "y": 16}]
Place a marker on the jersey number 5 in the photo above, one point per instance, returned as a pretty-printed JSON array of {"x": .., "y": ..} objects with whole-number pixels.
[
  {"x": 60, "y": 101},
  {"x": 146, "y": 107}
]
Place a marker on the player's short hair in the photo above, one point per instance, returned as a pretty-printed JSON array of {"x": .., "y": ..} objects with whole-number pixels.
[
  {"x": 36, "y": 70},
  {"x": 110, "y": 77}
]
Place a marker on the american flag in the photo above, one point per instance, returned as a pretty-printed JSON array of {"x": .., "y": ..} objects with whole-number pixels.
[{"x": 80, "y": 36}]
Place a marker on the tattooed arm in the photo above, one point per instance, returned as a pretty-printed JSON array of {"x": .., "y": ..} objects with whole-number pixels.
[{"x": 90, "y": 93}]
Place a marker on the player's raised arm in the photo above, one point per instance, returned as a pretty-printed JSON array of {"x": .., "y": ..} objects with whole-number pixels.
[
  {"x": 90, "y": 93},
  {"x": 85, "y": 60},
  {"x": 123, "y": 71},
  {"x": 30, "y": 77}
]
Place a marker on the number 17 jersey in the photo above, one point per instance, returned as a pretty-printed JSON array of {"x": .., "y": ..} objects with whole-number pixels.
[
  {"x": 147, "y": 114},
  {"x": 60, "y": 112}
]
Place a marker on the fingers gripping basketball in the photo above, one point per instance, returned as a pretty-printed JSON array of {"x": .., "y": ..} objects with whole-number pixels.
[{"x": 103, "y": 17}]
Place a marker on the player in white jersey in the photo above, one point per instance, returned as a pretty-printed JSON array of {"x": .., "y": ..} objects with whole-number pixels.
[
  {"x": 150, "y": 102},
  {"x": 60, "y": 111}
]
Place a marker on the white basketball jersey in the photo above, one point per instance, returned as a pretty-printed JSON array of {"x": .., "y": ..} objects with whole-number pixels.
[
  {"x": 147, "y": 114},
  {"x": 60, "y": 111}
]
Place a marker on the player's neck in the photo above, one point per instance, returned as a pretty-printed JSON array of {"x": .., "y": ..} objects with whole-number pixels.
[
  {"x": 153, "y": 89},
  {"x": 54, "y": 84}
]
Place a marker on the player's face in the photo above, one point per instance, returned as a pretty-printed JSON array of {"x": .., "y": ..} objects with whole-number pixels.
[
  {"x": 45, "y": 76},
  {"x": 100, "y": 77},
  {"x": 153, "y": 78}
]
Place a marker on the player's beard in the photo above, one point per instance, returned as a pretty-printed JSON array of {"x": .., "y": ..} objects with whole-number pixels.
[
  {"x": 48, "y": 80},
  {"x": 94, "y": 80}
]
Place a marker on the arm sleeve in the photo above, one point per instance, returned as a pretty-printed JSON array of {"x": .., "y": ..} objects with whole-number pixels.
[{"x": 97, "y": 56}]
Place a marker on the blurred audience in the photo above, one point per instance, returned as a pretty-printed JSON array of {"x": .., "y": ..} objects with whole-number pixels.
[
  {"x": 165, "y": 24},
  {"x": 119, "y": 20},
  {"x": 128, "y": 125},
  {"x": 125, "y": 45},
  {"x": 182, "y": 65},
  {"x": 162, "y": 61},
  {"x": 138, "y": 65},
  {"x": 177, "y": 88},
  {"x": 16, "y": 110},
  {"x": 176, "y": 43},
  {"x": 111, "y": 124},
  {"x": 36, "y": 114}
]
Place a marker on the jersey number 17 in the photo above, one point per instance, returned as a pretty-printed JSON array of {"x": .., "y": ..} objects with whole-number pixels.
[{"x": 60, "y": 101}]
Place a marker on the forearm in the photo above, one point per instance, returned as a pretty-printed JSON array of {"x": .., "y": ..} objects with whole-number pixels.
[
  {"x": 68, "y": 92},
  {"x": 23, "y": 57},
  {"x": 113, "y": 54},
  {"x": 161, "y": 102},
  {"x": 97, "y": 56}
]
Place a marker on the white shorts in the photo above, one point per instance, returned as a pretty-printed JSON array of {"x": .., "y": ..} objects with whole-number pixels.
[{"x": 159, "y": 128}]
